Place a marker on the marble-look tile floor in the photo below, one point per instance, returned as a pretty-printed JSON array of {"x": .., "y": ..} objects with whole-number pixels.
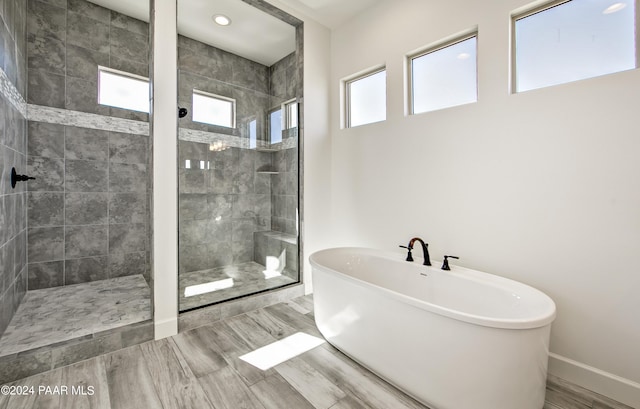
[
  {"x": 59, "y": 314},
  {"x": 201, "y": 369},
  {"x": 244, "y": 278}
]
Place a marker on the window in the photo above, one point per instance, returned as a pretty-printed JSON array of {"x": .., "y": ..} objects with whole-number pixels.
[
  {"x": 366, "y": 99},
  {"x": 123, "y": 90},
  {"x": 573, "y": 40},
  {"x": 214, "y": 109},
  {"x": 275, "y": 126},
  {"x": 253, "y": 133},
  {"x": 445, "y": 76},
  {"x": 291, "y": 114},
  {"x": 282, "y": 118}
]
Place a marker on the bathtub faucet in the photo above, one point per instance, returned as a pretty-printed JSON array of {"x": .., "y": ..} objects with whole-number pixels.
[{"x": 425, "y": 250}]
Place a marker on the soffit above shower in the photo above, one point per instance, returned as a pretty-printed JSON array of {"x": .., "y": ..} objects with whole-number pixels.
[
  {"x": 331, "y": 13},
  {"x": 252, "y": 34}
]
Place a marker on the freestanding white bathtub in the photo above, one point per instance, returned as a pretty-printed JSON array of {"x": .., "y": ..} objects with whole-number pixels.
[{"x": 458, "y": 339}]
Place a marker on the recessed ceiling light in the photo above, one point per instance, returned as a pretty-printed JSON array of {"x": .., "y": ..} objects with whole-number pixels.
[
  {"x": 221, "y": 20},
  {"x": 614, "y": 7},
  {"x": 463, "y": 56}
]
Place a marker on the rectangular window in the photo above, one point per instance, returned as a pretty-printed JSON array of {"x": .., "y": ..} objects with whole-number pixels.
[
  {"x": 291, "y": 114},
  {"x": 123, "y": 90},
  {"x": 445, "y": 76},
  {"x": 275, "y": 126},
  {"x": 253, "y": 134},
  {"x": 573, "y": 40},
  {"x": 366, "y": 99},
  {"x": 214, "y": 109}
]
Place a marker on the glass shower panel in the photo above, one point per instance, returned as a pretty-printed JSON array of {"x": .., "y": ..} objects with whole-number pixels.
[{"x": 238, "y": 182}]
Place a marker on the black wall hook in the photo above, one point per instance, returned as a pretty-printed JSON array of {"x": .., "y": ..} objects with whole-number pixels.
[{"x": 15, "y": 178}]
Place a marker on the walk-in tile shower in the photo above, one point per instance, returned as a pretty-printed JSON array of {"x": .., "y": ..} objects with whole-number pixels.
[
  {"x": 238, "y": 167},
  {"x": 75, "y": 248},
  {"x": 75, "y": 270}
]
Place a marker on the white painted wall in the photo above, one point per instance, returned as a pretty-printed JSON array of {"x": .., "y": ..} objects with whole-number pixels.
[
  {"x": 316, "y": 230},
  {"x": 165, "y": 164},
  {"x": 542, "y": 187},
  {"x": 316, "y": 227}
]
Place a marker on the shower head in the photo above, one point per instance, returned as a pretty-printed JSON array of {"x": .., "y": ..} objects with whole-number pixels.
[{"x": 182, "y": 112}]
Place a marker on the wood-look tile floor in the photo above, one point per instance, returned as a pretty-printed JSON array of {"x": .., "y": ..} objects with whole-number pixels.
[{"x": 201, "y": 369}]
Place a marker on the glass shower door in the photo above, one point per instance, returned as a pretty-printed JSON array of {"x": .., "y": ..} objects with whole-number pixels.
[{"x": 238, "y": 161}]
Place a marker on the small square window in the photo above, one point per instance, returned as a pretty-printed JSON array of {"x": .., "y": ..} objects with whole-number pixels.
[
  {"x": 573, "y": 40},
  {"x": 366, "y": 99},
  {"x": 444, "y": 77},
  {"x": 214, "y": 109},
  {"x": 123, "y": 90}
]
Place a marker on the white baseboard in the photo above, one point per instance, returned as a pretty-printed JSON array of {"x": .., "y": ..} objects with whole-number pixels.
[
  {"x": 165, "y": 328},
  {"x": 612, "y": 386}
]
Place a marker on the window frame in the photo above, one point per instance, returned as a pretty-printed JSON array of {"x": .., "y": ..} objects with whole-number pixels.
[
  {"x": 347, "y": 93},
  {"x": 451, "y": 41},
  {"x": 288, "y": 117},
  {"x": 528, "y": 12},
  {"x": 127, "y": 75},
  {"x": 220, "y": 98}
]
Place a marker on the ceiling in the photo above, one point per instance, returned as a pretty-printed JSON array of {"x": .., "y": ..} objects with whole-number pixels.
[
  {"x": 331, "y": 13},
  {"x": 252, "y": 34}
]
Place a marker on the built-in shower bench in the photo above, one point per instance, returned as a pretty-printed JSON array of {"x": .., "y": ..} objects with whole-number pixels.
[{"x": 274, "y": 244}]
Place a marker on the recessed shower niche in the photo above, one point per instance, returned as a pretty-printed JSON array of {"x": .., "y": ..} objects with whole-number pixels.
[{"x": 238, "y": 149}]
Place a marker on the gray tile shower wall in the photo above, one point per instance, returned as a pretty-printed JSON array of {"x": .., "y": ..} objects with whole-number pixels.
[
  {"x": 284, "y": 78},
  {"x": 221, "y": 206},
  {"x": 218, "y": 72},
  {"x": 67, "y": 40},
  {"x": 88, "y": 209},
  {"x": 224, "y": 199},
  {"x": 13, "y": 223},
  {"x": 284, "y": 191},
  {"x": 286, "y": 85}
]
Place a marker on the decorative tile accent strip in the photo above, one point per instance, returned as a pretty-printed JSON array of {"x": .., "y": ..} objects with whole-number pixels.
[
  {"x": 10, "y": 92},
  {"x": 68, "y": 117},
  {"x": 192, "y": 135},
  {"x": 39, "y": 113}
]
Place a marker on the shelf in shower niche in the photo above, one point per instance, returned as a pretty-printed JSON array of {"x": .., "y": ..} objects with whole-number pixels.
[{"x": 267, "y": 149}]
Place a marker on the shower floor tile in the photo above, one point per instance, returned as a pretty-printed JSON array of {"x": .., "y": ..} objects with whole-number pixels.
[
  {"x": 242, "y": 279},
  {"x": 58, "y": 314}
]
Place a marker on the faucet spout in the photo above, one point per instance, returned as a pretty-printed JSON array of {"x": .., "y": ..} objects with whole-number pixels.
[{"x": 425, "y": 250}]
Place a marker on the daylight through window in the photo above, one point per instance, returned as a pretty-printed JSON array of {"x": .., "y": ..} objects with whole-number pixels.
[
  {"x": 123, "y": 90},
  {"x": 573, "y": 40},
  {"x": 444, "y": 77},
  {"x": 366, "y": 99},
  {"x": 214, "y": 109},
  {"x": 275, "y": 126}
]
